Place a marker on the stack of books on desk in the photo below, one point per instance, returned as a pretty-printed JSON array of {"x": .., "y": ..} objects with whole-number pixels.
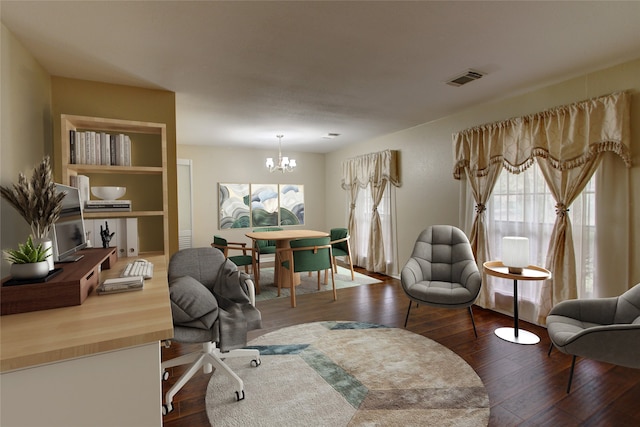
[
  {"x": 108, "y": 206},
  {"x": 121, "y": 284}
]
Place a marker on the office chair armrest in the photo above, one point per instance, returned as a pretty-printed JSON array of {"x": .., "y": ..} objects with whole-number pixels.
[{"x": 251, "y": 289}]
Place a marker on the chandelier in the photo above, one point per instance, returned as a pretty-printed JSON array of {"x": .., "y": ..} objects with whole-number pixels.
[{"x": 284, "y": 164}]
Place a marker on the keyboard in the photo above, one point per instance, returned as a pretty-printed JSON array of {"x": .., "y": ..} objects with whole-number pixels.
[{"x": 139, "y": 267}]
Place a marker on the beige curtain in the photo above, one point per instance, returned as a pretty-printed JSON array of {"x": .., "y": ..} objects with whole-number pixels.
[
  {"x": 567, "y": 141},
  {"x": 375, "y": 169},
  {"x": 350, "y": 175},
  {"x": 481, "y": 187}
]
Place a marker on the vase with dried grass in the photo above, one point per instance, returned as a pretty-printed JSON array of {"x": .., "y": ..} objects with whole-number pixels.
[{"x": 37, "y": 201}]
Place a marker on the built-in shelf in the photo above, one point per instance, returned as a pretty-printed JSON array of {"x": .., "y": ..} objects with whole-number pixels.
[{"x": 146, "y": 176}]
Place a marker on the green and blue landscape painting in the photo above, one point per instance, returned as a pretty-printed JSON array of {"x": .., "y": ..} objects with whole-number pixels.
[{"x": 260, "y": 205}]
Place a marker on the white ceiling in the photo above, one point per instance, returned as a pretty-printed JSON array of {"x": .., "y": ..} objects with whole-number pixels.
[{"x": 246, "y": 71}]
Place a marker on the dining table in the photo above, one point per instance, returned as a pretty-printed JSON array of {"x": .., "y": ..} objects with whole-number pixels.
[{"x": 282, "y": 239}]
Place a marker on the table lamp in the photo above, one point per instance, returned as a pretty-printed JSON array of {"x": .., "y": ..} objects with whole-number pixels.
[{"x": 515, "y": 253}]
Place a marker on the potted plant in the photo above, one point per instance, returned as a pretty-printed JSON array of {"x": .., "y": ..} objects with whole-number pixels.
[
  {"x": 37, "y": 202},
  {"x": 28, "y": 261}
]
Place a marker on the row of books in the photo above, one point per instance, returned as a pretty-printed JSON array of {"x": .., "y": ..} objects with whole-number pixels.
[
  {"x": 99, "y": 148},
  {"x": 107, "y": 206}
]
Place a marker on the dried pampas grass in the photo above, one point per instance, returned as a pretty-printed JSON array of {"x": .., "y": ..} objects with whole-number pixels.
[{"x": 36, "y": 200}]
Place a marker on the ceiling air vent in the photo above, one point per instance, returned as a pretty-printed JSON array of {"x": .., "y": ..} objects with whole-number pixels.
[
  {"x": 331, "y": 135},
  {"x": 466, "y": 77}
]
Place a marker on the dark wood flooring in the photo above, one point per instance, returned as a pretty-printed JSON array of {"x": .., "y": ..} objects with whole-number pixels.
[{"x": 525, "y": 386}]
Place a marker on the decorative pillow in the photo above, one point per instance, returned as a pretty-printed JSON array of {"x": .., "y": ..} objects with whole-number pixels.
[{"x": 192, "y": 304}]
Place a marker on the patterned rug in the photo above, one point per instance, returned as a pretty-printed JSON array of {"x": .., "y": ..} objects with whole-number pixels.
[
  {"x": 349, "y": 374},
  {"x": 309, "y": 285}
]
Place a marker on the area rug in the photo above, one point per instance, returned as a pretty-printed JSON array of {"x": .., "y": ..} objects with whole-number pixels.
[
  {"x": 349, "y": 374},
  {"x": 309, "y": 284}
]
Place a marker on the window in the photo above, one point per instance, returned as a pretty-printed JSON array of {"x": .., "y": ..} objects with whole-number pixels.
[
  {"x": 364, "y": 207},
  {"x": 522, "y": 205}
]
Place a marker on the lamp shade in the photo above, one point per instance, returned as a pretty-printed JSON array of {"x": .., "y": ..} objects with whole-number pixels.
[{"x": 515, "y": 253}]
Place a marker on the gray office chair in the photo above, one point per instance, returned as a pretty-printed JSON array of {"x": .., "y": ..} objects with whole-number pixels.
[
  {"x": 442, "y": 271},
  {"x": 212, "y": 303},
  {"x": 603, "y": 329}
]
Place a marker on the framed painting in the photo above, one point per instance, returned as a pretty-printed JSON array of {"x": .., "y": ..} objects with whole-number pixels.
[
  {"x": 234, "y": 206},
  {"x": 291, "y": 204},
  {"x": 264, "y": 205}
]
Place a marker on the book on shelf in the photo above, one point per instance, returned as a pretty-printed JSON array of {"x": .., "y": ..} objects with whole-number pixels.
[
  {"x": 107, "y": 206},
  {"x": 72, "y": 146},
  {"x": 103, "y": 202},
  {"x": 88, "y": 209},
  {"x": 99, "y": 148},
  {"x": 81, "y": 182}
]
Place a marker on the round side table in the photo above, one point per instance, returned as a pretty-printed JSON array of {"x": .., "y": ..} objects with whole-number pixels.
[{"x": 532, "y": 272}]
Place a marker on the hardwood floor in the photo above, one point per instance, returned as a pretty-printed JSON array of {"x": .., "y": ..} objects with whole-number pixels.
[{"x": 525, "y": 386}]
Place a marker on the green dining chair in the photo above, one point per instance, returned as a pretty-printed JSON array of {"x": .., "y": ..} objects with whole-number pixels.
[
  {"x": 306, "y": 255},
  {"x": 245, "y": 260},
  {"x": 340, "y": 247},
  {"x": 265, "y": 247}
]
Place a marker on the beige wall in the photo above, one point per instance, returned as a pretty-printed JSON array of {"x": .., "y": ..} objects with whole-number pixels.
[
  {"x": 430, "y": 195},
  {"x": 25, "y": 124},
  {"x": 214, "y": 165}
]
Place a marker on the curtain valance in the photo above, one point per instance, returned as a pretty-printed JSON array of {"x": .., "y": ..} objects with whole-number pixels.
[
  {"x": 371, "y": 168},
  {"x": 567, "y": 136}
]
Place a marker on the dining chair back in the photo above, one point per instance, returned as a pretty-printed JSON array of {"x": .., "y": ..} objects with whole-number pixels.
[
  {"x": 340, "y": 247},
  {"x": 312, "y": 254},
  {"x": 248, "y": 257}
]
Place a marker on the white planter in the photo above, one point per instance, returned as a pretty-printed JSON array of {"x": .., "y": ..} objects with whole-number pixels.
[
  {"x": 47, "y": 245},
  {"x": 34, "y": 270}
]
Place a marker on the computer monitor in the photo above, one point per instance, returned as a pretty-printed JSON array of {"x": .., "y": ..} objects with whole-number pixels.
[{"x": 68, "y": 231}]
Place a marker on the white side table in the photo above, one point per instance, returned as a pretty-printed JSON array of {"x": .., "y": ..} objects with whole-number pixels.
[{"x": 532, "y": 272}]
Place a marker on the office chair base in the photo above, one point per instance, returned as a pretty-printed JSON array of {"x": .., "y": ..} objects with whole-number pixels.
[{"x": 207, "y": 359}]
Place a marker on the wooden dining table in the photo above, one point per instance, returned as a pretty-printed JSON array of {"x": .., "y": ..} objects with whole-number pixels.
[{"x": 282, "y": 239}]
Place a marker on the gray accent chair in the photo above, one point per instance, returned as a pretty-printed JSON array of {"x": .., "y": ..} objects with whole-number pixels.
[
  {"x": 603, "y": 329},
  {"x": 213, "y": 304},
  {"x": 442, "y": 271}
]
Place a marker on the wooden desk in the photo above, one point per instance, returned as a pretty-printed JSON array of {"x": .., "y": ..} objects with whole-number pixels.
[
  {"x": 93, "y": 364},
  {"x": 282, "y": 239},
  {"x": 532, "y": 272}
]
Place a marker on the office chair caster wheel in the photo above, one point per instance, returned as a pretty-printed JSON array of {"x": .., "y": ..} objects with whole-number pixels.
[
  {"x": 238, "y": 396},
  {"x": 166, "y": 408},
  {"x": 165, "y": 375},
  {"x": 256, "y": 362}
]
